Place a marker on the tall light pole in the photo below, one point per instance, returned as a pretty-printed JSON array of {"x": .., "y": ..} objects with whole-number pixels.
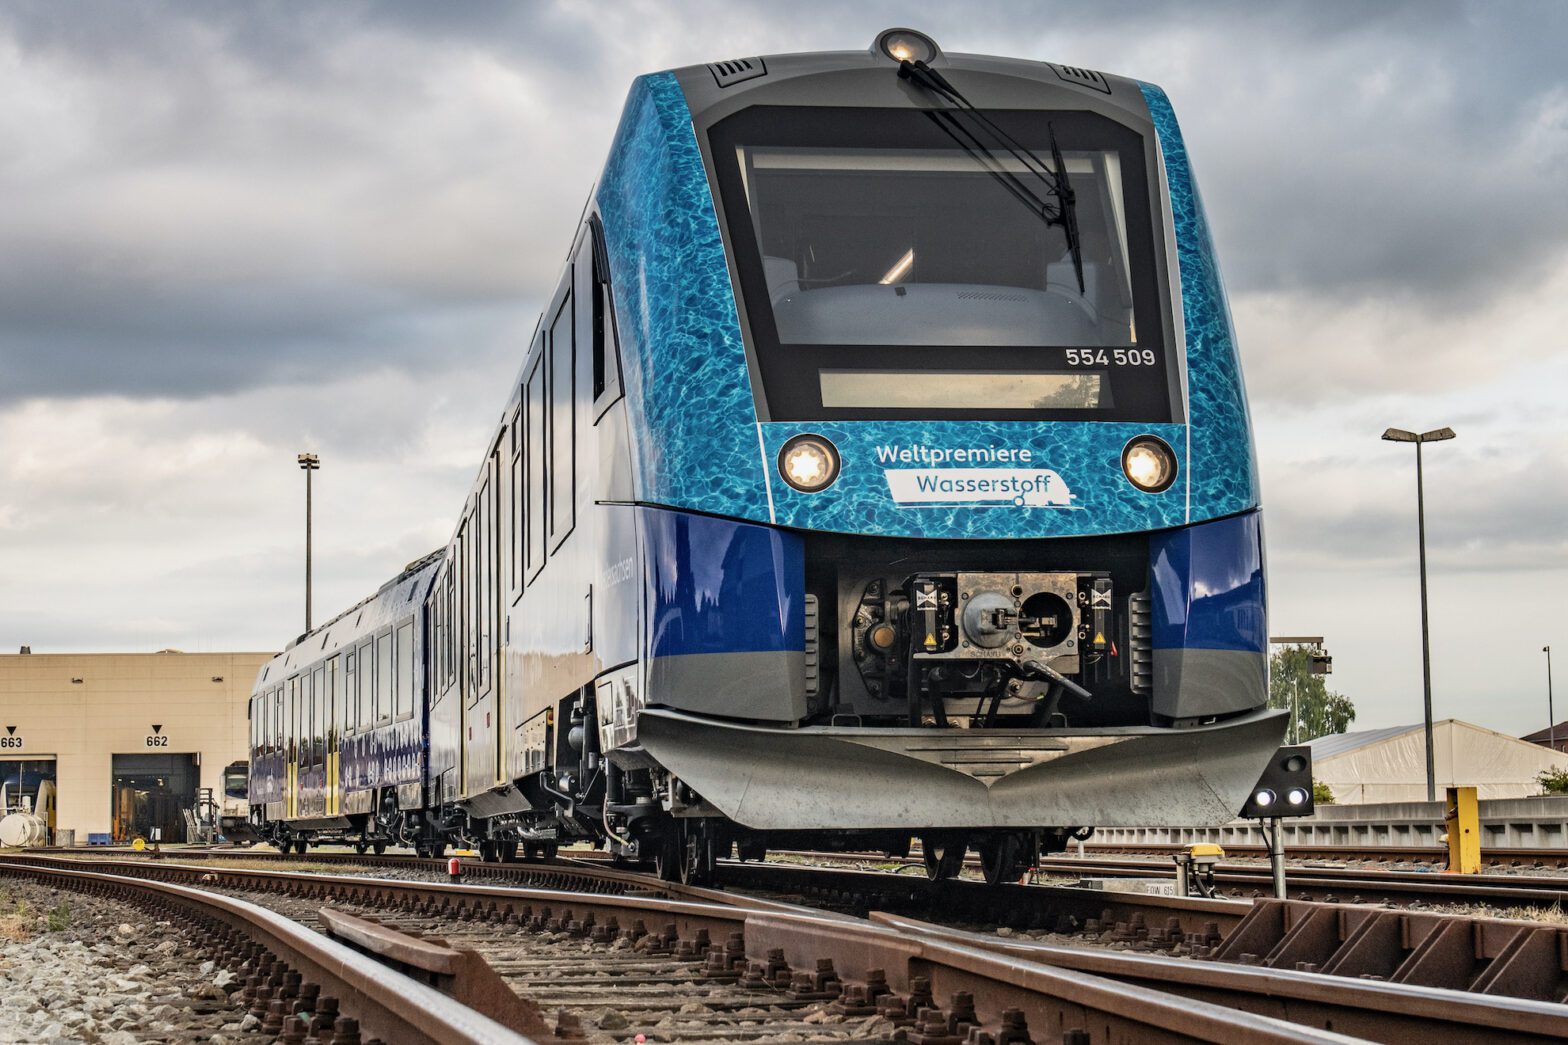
[
  {"x": 1437, "y": 435},
  {"x": 1551, "y": 716},
  {"x": 309, "y": 463}
]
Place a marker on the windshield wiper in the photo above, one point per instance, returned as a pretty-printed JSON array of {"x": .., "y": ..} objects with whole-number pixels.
[{"x": 1063, "y": 213}]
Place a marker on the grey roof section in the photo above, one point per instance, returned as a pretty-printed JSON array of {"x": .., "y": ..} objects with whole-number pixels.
[{"x": 1339, "y": 743}]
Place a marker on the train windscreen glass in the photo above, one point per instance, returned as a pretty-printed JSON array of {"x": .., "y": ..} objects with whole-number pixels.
[
  {"x": 926, "y": 247},
  {"x": 888, "y": 272}
]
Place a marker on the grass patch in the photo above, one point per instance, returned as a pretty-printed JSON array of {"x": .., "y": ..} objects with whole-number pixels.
[
  {"x": 16, "y": 924},
  {"x": 59, "y": 918}
]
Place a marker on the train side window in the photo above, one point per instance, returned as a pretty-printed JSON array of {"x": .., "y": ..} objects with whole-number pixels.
[
  {"x": 534, "y": 509},
  {"x": 485, "y": 583},
  {"x": 383, "y": 678},
  {"x": 365, "y": 683},
  {"x": 405, "y": 670},
  {"x": 513, "y": 543},
  {"x": 350, "y": 694},
  {"x": 319, "y": 716},
  {"x": 335, "y": 696},
  {"x": 465, "y": 608},
  {"x": 451, "y": 625},
  {"x": 563, "y": 424},
  {"x": 307, "y": 714},
  {"x": 606, "y": 354}
]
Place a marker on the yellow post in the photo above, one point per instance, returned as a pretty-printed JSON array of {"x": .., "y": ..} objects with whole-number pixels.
[{"x": 1463, "y": 820}]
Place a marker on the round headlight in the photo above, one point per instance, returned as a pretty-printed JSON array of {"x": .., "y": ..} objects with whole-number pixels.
[
  {"x": 1149, "y": 463},
  {"x": 809, "y": 463},
  {"x": 906, "y": 45},
  {"x": 1296, "y": 796},
  {"x": 1264, "y": 798}
]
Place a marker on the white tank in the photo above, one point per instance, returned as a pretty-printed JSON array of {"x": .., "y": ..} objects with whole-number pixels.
[{"x": 19, "y": 830}]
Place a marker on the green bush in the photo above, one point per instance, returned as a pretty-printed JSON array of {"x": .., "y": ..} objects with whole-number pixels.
[
  {"x": 1553, "y": 781},
  {"x": 1322, "y": 794}
]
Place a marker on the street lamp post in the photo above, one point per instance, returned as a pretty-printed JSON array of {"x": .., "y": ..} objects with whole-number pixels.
[
  {"x": 308, "y": 463},
  {"x": 1551, "y": 716},
  {"x": 1437, "y": 435}
]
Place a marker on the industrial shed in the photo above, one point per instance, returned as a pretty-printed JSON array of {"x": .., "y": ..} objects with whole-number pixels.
[{"x": 1389, "y": 765}]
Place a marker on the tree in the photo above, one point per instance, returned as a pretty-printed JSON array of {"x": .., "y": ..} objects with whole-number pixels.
[
  {"x": 1316, "y": 710},
  {"x": 1553, "y": 781}
]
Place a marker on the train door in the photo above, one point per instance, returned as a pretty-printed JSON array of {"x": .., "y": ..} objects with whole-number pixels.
[
  {"x": 313, "y": 729},
  {"x": 481, "y": 731},
  {"x": 292, "y": 747},
  {"x": 334, "y": 729}
]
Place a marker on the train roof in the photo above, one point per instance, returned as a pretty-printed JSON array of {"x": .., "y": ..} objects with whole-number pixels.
[{"x": 389, "y": 603}]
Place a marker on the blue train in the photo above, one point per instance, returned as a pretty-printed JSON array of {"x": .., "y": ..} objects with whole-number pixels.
[{"x": 879, "y": 470}]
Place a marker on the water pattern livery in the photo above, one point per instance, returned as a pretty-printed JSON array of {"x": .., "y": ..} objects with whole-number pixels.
[
  {"x": 680, "y": 339},
  {"x": 1086, "y": 456},
  {"x": 682, "y": 347},
  {"x": 1223, "y": 470}
]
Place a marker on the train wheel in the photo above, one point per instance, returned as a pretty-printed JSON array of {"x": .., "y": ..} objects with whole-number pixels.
[
  {"x": 943, "y": 860},
  {"x": 360, "y": 846},
  {"x": 489, "y": 851},
  {"x": 699, "y": 855},
  {"x": 301, "y": 846},
  {"x": 668, "y": 854},
  {"x": 379, "y": 848},
  {"x": 1001, "y": 859},
  {"x": 508, "y": 852}
]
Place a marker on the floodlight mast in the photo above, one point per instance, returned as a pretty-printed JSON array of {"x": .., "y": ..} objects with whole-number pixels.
[
  {"x": 1436, "y": 435},
  {"x": 308, "y": 463}
]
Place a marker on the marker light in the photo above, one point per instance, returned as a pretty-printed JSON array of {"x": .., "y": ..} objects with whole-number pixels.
[
  {"x": 1149, "y": 464},
  {"x": 1264, "y": 798},
  {"x": 1296, "y": 796},
  {"x": 906, "y": 45},
  {"x": 809, "y": 463}
]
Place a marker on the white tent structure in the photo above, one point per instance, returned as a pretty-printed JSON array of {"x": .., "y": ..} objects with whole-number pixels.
[{"x": 1389, "y": 765}]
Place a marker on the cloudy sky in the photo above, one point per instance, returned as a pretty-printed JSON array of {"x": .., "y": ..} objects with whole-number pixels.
[{"x": 233, "y": 232}]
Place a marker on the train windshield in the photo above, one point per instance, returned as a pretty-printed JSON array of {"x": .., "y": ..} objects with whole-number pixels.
[{"x": 889, "y": 272}]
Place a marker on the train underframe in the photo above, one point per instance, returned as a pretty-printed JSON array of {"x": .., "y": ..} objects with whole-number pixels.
[{"x": 950, "y": 697}]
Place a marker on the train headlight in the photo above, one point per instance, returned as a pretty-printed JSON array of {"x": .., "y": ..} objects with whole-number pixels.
[
  {"x": 906, "y": 45},
  {"x": 1149, "y": 463},
  {"x": 1263, "y": 798},
  {"x": 809, "y": 463}
]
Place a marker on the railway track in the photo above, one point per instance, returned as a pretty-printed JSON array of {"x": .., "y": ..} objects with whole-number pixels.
[
  {"x": 1436, "y": 857},
  {"x": 1357, "y": 885},
  {"x": 626, "y": 959}
]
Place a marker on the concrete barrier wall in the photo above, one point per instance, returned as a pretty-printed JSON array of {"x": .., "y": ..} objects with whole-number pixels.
[{"x": 1506, "y": 823}]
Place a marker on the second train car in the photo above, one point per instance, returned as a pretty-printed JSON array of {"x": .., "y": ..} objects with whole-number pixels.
[{"x": 880, "y": 469}]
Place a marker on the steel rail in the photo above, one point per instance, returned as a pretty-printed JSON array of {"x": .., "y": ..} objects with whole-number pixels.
[
  {"x": 920, "y": 951},
  {"x": 386, "y": 1005},
  {"x": 987, "y": 988},
  {"x": 1368, "y": 884},
  {"x": 1362, "y": 1008}
]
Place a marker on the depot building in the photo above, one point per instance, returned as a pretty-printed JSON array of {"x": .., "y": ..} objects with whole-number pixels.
[{"x": 124, "y": 743}]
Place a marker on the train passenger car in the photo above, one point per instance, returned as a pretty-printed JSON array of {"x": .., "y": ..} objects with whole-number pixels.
[
  {"x": 339, "y": 727},
  {"x": 879, "y": 469}
]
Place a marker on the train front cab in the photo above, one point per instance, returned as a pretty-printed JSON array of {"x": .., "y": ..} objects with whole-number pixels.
[{"x": 1030, "y": 591}]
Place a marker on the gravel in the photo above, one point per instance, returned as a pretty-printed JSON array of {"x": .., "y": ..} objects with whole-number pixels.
[{"x": 81, "y": 969}]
